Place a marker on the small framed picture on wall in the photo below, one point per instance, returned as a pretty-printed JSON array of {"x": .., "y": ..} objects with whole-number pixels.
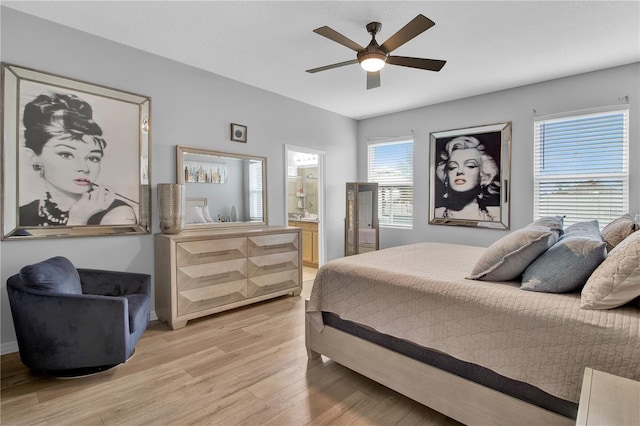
[{"x": 238, "y": 133}]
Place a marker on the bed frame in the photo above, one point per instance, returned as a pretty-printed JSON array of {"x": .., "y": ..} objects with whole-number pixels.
[{"x": 453, "y": 396}]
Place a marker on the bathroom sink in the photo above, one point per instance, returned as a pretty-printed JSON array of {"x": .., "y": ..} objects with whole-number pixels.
[{"x": 302, "y": 218}]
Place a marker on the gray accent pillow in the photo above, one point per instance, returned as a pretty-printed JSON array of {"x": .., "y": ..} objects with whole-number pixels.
[
  {"x": 567, "y": 265},
  {"x": 508, "y": 257},
  {"x": 617, "y": 280},
  {"x": 57, "y": 275},
  {"x": 617, "y": 230}
]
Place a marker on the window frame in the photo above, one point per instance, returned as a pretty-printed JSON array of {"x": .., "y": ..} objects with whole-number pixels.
[
  {"x": 256, "y": 191},
  {"x": 382, "y": 186},
  {"x": 583, "y": 212}
]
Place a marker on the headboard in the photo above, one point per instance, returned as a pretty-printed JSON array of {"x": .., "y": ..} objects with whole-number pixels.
[{"x": 197, "y": 201}]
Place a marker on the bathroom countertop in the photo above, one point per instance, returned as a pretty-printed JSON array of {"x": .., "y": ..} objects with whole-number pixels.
[{"x": 303, "y": 219}]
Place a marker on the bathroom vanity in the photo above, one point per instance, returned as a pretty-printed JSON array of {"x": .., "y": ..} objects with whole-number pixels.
[{"x": 310, "y": 250}]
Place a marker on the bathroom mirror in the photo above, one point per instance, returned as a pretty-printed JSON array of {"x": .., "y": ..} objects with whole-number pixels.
[{"x": 223, "y": 189}]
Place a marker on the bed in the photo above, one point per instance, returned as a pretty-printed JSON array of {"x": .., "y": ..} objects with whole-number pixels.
[{"x": 481, "y": 352}]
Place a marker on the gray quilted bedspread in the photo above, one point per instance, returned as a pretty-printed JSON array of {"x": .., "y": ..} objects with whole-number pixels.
[{"x": 419, "y": 293}]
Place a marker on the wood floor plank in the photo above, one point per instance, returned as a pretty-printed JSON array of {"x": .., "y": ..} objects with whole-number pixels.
[
  {"x": 247, "y": 366},
  {"x": 351, "y": 410}
]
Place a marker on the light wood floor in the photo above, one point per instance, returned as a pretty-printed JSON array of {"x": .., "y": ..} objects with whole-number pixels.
[{"x": 243, "y": 367}]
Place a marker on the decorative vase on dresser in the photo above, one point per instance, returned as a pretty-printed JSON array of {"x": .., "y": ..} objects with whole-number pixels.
[
  {"x": 199, "y": 273},
  {"x": 171, "y": 207}
]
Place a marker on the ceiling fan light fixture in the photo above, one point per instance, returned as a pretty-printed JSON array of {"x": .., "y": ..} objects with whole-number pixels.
[
  {"x": 372, "y": 61},
  {"x": 374, "y": 57}
]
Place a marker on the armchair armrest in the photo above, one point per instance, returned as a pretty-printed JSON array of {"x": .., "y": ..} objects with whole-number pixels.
[
  {"x": 114, "y": 283},
  {"x": 61, "y": 331}
]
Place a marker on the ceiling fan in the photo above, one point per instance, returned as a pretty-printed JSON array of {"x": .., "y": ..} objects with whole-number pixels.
[{"x": 374, "y": 57}]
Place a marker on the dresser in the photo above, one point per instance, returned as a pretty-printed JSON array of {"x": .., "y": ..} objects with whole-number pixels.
[{"x": 199, "y": 273}]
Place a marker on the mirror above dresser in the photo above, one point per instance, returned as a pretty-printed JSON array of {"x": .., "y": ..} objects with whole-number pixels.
[{"x": 222, "y": 189}]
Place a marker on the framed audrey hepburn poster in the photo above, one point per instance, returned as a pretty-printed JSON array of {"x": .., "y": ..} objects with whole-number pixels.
[
  {"x": 470, "y": 175},
  {"x": 76, "y": 157}
]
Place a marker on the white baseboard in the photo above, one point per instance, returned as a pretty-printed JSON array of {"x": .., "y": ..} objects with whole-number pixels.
[{"x": 10, "y": 347}]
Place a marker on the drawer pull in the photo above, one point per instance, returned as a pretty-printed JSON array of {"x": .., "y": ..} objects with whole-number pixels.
[
  {"x": 275, "y": 246},
  {"x": 215, "y": 277},
  {"x": 213, "y": 253},
  {"x": 276, "y": 265}
]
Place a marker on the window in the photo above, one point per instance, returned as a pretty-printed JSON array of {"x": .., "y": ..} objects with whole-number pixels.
[
  {"x": 390, "y": 164},
  {"x": 581, "y": 166},
  {"x": 255, "y": 191}
]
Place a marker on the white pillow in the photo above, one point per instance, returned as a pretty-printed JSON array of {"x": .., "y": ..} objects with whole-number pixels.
[
  {"x": 194, "y": 215},
  {"x": 553, "y": 222},
  {"x": 206, "y": 214},
  {"x": 507, "y": 258},
  {"x": 617, "y": 280}
]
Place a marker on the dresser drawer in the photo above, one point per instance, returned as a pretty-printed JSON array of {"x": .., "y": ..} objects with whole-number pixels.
[
  {"x": 211, "y": 296},
  {"x": 272, "y": 244},
  {"x": 207, "y": 251},
  {"x": 265, "y": 284},
  {"x": 206, "y": 274},
  {"x": 272, "y": 263}
]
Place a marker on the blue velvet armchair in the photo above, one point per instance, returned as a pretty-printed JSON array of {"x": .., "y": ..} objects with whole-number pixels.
[{"x": 69, "y": 319}]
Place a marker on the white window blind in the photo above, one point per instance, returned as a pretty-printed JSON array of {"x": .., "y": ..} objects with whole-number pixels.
[
  {"x": 255, "y": 191},
  {"x": 581, "y": 166},
  {"x": 390, "y": 164}
]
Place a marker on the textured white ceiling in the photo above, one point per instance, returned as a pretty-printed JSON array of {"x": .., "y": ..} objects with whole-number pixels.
[{"x": 488, "y": 45}]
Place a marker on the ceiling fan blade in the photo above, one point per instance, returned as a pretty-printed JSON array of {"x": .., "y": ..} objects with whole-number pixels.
[
  {"x": 373, "y": 80},
  {"x": 328, "y": 67},
  {"x": 420, "y": 63},
  {"x": 338, "y": 38},
  {"x": 416, "y": 26}
]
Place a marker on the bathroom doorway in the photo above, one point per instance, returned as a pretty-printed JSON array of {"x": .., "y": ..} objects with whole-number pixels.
[{"x": 305, "y": 202}]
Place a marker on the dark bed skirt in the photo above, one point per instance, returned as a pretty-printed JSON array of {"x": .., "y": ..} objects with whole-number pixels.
[{"x": 469, "y": 371}]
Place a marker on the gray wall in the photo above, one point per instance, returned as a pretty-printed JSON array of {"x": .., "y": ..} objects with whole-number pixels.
[
  {"x": 190, "y": 107},
  {"x": 591, "y": 90}
]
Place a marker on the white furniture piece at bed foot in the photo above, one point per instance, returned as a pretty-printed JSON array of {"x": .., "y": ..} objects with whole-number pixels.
[
  {"x": 199, "y": 273},
  {"x": 608, "y": 400}
]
